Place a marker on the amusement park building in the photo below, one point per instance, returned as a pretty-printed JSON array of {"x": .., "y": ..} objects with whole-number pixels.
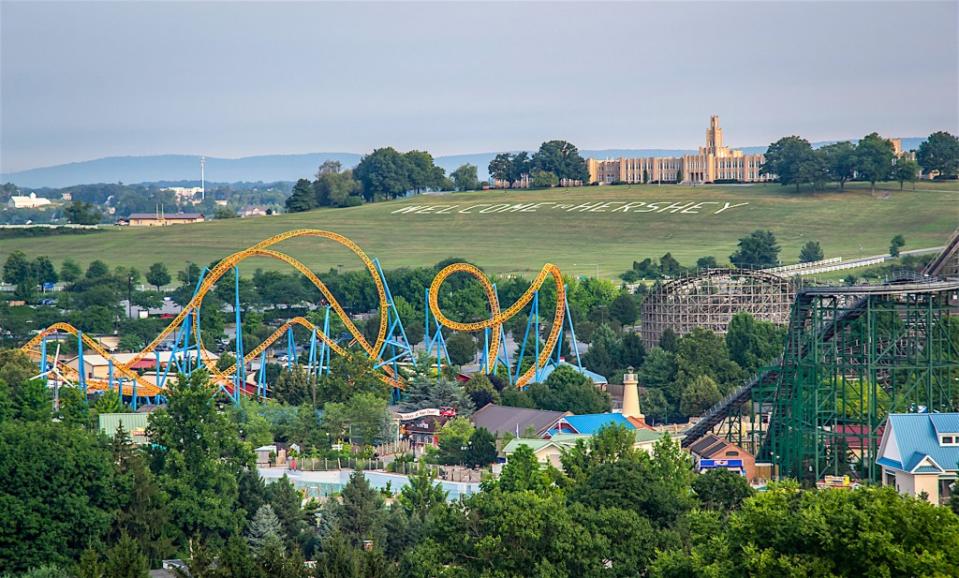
[
  {"x": 919, "y": 454},
  {"x": 714, "y": 162}
]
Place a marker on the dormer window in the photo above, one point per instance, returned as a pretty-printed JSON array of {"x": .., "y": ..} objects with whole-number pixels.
[{"x": 949, "y": 440}]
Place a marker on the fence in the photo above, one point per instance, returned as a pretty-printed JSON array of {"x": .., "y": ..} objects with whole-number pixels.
[{"x": 801, "y": 266}]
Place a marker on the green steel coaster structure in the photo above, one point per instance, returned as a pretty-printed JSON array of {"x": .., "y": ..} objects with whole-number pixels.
[{"x": 852, "y": 355}]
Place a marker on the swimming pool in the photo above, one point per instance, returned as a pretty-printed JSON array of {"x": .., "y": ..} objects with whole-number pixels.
[{"x": 324, "y": 483}]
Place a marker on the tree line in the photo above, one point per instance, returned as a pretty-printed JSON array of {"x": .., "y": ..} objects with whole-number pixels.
[
  {"x": 78, "y": 504},
  {"x": 795, "y": 162},
  {"x": 555, "y": 161}
]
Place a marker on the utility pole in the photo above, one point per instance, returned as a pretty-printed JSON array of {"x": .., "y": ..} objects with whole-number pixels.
[{"x": 202, "y": 178}]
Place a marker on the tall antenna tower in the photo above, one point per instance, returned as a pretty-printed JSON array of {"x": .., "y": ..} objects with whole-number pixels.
[{"x": 202, "y": 178}]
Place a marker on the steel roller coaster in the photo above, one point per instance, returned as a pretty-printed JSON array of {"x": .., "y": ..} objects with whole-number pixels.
[{"x": 389, "y": 351}]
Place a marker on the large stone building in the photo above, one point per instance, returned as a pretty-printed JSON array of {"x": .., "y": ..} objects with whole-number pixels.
[{"x": 714, "y": 162}]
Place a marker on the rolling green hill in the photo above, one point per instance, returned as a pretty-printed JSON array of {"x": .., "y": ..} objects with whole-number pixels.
[{"x": 586, "y": 231}]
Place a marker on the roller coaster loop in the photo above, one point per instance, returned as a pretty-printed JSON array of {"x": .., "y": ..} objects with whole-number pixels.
[{"x": 185, "y": 328}]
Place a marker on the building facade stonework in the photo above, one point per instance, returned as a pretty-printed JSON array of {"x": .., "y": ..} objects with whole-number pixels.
[{"x": 714, "y": 162}]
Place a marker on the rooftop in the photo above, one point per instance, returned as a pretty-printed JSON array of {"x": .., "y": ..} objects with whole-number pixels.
[
  {"x": 911, "y": 443},
  {"x": 501, "y": 419}
]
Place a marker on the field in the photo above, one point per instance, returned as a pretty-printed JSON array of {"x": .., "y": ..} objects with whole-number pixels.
[{"x": 586, "y": 231}]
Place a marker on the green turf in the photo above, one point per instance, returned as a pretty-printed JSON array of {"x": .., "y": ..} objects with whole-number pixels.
[{"x": 849, "y": 225}]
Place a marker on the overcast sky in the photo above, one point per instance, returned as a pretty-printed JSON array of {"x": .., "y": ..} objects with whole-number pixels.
[{"x": 87, "y": 80}]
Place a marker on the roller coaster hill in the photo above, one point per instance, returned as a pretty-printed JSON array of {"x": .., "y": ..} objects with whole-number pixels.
[
  {"x": 390, "y": 352},
  {"x": 852, "y": 355}
]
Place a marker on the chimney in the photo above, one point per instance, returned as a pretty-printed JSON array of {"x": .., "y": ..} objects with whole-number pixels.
[{"x": 631, "y": 396}]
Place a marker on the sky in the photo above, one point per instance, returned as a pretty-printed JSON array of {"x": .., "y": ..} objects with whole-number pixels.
[{"x": 82, "y": 80}]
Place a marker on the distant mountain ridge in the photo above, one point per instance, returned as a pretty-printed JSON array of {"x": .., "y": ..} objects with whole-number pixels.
[{"x": 269, "y": 168}]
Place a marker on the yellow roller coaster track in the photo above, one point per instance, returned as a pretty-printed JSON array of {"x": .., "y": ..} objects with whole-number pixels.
[
  {"x": 262, "y": 249},
  {"x": 497, "y": 317}
]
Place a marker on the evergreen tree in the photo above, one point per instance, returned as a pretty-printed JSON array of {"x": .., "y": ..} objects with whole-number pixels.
[
  {"x": 810, "y": 252},
  {"x": 126, "y": 560},
  {"x": 264, "y": 530}
]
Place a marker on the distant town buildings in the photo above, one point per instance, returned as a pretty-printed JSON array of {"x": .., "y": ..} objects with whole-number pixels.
[
  {"x": 714, "y": 163},
  {"x": 27, "y": 202},
  {"x": 185, "y": 194}
]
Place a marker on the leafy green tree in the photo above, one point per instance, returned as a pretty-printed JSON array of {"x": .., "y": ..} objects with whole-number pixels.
[
  {"x": 811, "y": 252},
  {"x": 841, "y": 161},
  {"x": 658, "y": 487},
  {"x": 707, "y": 263},
  {"x": 158, "y": 276},
  {"x": 566, "y": 389},
  {"x": 624, "y": 309},
  {"x": 335, "y": 188},
  {"x": 501, "y": 167},
  {"x": 44, "y": 270},
  {"x": 897, "y": 243},
  {"x": 753, "y": 343},
  {"x": 699, "y": 395},
  {"x": 702, "y": 352},
  {"x": 198, "y": 459},
  {"x": 303, "y": 198},
  {"x": 756, "y": 250},
  {"x": 721, "y": 490},
  {"x": 454, "y": 438},
  {"x": 874, "y": 157},
  {"x": 792, "y": 160},
  {"x": 543, "y": 179},
  {"x": 17, "y": 268},
  {"x": 56, "y": 493},
  {"x": 655, "y": 405},
  {"x": 906, "y": 170},
  {"x": 669, "y": 341},
  {"x": 81, "y": 213},
  {"x": 481, "y": 390},
  {"x": 562, "y": 159},
  {"x": 481, "y": 448},
  {"x": 522, "y": 473},
  {"x": 873, "y": 532},
  {"x": 142, "y": 513},
  {"x": 464, "y": 178},
  {"x": 69, "y": 271},
  {"x": 939, "y": 152},
  {"x": 384, "y": 174},
  {"x": 97, "y": 269},
  {"x": 461, "y": 348}
]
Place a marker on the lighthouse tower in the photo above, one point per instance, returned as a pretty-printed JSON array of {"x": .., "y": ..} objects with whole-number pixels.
[{"x": 631, "y": 397}]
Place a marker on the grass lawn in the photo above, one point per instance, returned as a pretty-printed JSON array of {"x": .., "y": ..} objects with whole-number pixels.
[{"x": 598, "y": 239}]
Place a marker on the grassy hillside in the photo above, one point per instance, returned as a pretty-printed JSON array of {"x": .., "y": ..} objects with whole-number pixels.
[{"x": 522, "y": 230}]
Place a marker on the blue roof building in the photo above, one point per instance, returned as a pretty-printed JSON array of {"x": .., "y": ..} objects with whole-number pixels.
[
  {"x": 919, "y": 453},
  {"x": 589, "y": 423}
]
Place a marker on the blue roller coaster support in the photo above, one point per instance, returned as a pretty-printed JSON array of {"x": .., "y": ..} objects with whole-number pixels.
[
  {"x": 82, "y": 365},
  {"x": 239, "y": 376},
  {"x": 110, "y": 375},
  {"x": 325, "y": 349},
  {"x": 290, "y": 349},
  {"x": 261, "y": 377},
  {"x": 396, "y": 342},
  {"x": 433, "y": 336},
  {"x": 311, "y": 360},
  {"x": 532, "y": 322},
  {"x": 43, "y": 357}
]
